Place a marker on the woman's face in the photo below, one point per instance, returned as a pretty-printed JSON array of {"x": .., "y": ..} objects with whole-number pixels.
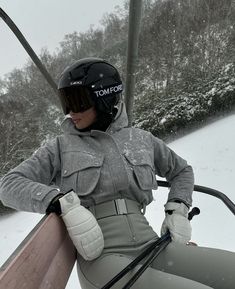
[{"x": 83, "y": 119}]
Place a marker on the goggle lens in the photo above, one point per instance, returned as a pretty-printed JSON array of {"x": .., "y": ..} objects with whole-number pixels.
[{"x": 75, "y": 99}]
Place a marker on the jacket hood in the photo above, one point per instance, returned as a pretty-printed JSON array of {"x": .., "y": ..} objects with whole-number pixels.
[{"x": 120, "y": 121}]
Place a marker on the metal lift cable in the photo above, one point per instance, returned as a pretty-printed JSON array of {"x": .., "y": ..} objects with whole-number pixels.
[{"x": 28, "y": 49}]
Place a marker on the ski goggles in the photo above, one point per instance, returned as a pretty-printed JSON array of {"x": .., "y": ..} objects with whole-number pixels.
[{"x": 75, "y": 99}]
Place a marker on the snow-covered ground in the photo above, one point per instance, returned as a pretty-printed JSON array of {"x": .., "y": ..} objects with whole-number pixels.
[{"x": 211, "y": 152}]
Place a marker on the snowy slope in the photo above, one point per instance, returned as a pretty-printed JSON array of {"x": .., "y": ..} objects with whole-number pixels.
[{"x": 211, "y": 152}]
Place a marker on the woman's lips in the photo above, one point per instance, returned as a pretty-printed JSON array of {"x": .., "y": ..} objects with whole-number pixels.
[{"x": 76, "y": 120}]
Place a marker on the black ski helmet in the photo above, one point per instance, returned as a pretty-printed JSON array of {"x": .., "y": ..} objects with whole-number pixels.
[{"x": 90, "y": 82}]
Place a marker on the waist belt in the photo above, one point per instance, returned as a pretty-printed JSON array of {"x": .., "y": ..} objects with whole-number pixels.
[{"x": 115, "y": 207}]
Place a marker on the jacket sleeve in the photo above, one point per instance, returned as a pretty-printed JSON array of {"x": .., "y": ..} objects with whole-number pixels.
[
  {"x": 28, "y": 187},
  {"x": 176, "y": 171}
]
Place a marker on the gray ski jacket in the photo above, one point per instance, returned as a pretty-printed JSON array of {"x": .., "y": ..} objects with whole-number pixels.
[{"x": 99, "y": 166}]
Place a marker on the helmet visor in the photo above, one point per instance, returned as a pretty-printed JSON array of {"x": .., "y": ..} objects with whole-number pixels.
[{"x": 75, "y": 99}]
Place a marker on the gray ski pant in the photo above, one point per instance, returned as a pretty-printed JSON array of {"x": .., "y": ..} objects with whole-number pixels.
[{"x": 177, "y": 267}]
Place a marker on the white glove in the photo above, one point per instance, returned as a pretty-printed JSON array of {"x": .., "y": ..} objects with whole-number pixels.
[
  {"x": 82, "y": 227},
  {"x": 177, "y": 223}
]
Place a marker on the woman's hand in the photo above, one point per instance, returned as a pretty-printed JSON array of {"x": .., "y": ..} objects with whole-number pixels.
[
  {"x": 177, "y": 223},
  {"x": 81, "y": 224}
]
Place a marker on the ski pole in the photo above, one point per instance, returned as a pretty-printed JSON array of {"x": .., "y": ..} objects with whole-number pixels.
[
  {"x": 156, "y": 252},
  {"x": 160, "y": 243},
  {"x": 132, "y": 265},
  {"x": 148, "y": 261}
]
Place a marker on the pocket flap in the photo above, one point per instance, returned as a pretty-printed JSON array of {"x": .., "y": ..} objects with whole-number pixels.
[
  {"x": 143, "y": 169},
  {"x": 78, "y": 161},
  {"x": 139, "y": 158}
]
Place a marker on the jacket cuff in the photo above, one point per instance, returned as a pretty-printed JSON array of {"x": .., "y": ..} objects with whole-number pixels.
[{"x": 42, "y": 199}]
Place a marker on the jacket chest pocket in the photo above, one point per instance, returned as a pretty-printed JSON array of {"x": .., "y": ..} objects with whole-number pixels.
[
  {"x": 81, "y": 171},
  {"x": 143, "y": 170}
]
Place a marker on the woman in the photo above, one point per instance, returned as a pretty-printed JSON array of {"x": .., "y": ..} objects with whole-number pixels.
[{"x": 99, "y": 177}]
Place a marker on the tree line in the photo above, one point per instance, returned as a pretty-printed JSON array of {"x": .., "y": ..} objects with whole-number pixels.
[{"x": 185, "y": 73}]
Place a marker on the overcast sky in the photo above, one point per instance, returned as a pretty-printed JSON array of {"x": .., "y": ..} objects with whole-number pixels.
[{"x": 44, "y": 24}]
